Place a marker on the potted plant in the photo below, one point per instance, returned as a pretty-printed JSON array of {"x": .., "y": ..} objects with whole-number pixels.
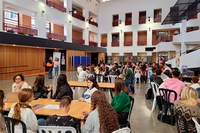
[
  {"x": 10, "y": 31},
  {"x": 21, "y": 33},
  {"x": 30, "y": 35}
]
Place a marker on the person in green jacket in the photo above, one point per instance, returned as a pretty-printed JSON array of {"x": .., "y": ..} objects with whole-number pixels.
[
  {"x": 128, "y": 74},
  {"x": 110, "y": 61},
  {"x": 121, "y": 101}
]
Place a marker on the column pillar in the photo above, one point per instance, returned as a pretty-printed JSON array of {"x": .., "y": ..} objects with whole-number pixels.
[{"x": 1, "y": 15}]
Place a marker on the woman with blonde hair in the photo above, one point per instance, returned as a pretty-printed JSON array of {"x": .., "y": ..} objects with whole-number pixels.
[
  {"x": 188, "y": 107},
  {"x": 23, "y": 111}
]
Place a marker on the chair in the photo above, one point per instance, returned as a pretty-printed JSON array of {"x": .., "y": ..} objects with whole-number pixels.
[
  {"x": 123, "y": 130},
  {"x": 56, "y": 129},
  {"x": 137, "y": 75},
  {"x": 90, "y": 75},
  {"x": 196, "y": 124},
  {"x": 180, "y": 118},
  {"x": 73, "y": 93},
  {"x": 80, "y": 79},
  {"x": 129, "y": 114},
  {"x": 10, "y": 124},
  {"x": 111, "y": 78},
  {"x": 166, "y": 102},
  {"x": 99, "y": 78},
  {"x": 154, "y": 87}
]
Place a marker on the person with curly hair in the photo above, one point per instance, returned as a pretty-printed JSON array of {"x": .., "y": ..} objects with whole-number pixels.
[
  {"x": 121, "y": 101},
  {"x": 102, "y": 119},
  {"x": 19, "y": 83},
  {"x": 2, "y": 121}
]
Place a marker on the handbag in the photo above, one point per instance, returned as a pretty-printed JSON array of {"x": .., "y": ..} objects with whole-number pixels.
[{"x": 49, "y": 64}]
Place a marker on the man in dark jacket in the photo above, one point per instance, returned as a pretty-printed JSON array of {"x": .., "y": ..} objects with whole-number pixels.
[{"x": 158, "y": 78}]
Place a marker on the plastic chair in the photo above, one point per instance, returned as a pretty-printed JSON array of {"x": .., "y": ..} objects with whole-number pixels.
[
  {"x": 181, "y": 118},
  {"x": 154, "y": 87},
  {"x": 137, "y": 75},
  {"x": 90, "y": 75},
  {"x": 123, "y": 130},
  {"x": 80, "y": 79},
  {"x": 166, "y": 102},
  {"x": 196, "y": 124},
  {"x": 56, "y": 129},
  {"x": 111, "y": 78},
  {"x": 73, "y": 93},
  {"x": 99, "y": 78},
  {"x": 129, "y": 114},
  {"x": 10, "y": 124}
]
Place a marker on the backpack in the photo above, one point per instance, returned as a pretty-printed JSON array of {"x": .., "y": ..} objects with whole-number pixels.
[
  {"x": 148, "y": 93},
  {"x": 131, "y": 88},
  {"x": 166, "y": 119}
]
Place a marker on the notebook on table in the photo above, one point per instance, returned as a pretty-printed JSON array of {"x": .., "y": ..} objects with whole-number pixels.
[{"x": 12, "y": 97}]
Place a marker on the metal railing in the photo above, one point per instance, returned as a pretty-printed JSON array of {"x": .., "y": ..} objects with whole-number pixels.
[
  {"x": 103, "y": 44},
  {"x": 56, "y": 36},
  {"x": 128, "y": 22},
  {"x": 93, "y": 43},
  {"x": 157, "y": 19},
  {"x": 115, "y": 23},
  {"x": 56, "y": 6},
  {"x": 128, "y": 43},
  {"x": 142, "y": 21},
  {"x": 80, "y": 41},
  {"x": 93, "y": 23},
  {"x": 78, "y": 16},
  {"x": 142, "y": 43},
  {"x": 115, "y": 44}
]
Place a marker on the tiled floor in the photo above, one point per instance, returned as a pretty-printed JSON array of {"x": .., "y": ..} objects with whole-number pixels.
[{"x": 142, "y": 120}]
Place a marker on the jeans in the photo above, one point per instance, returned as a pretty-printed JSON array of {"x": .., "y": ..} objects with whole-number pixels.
[
  {"x": 50, "y": 72},
  {"x": 56, "y": 70},
  {"x": 127, "y": 81},
  {"x": 41, "y": 122}
]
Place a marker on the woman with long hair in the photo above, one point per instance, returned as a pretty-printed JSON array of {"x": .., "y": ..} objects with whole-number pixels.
[
  {"x": 2, "y": 121},
  {"x": 92, "y": 71},
  {"x": 39, "y": 89},
  {"x": 92, "y": 87},
  {"x": 24, "y": 112},
  {"x": 102, "y": 119},
  {"x": 62, "y": 88},
  {"x": 188, "y": 107},
  {"x": 50, "y": 66},
  {"x": 121, "y": 101},
  {"x": 19, "y": 83}
]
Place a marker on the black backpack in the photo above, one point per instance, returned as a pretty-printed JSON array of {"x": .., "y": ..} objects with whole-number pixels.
[{"x": 148, "y": 93}]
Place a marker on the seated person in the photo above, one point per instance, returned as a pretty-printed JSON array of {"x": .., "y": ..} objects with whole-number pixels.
[
  {"x": 121, "y": 101},
  {"x": 88, "y": 68},
  {"x": 19, "y": 83},
  {"x": 92, "y": 71},
  {"x": 167, "y": 67},
  {"x": 24, "y": 112},
  {"x": 62, "y": 118},
  {"x": 83, "y": 74},
  {"x": 114, "y": 71},
  {"x": 93, "y": 86},
  {"x": 101, "y": 72},
  {"x": 128, "y": 74},
  {"x": 2, "y": 121},
  {"x": 98, "y": 121},
  {"x": 40, "y": 91},
  {"x": 158, "y": 78},
  {"x": 188, "y": 107},
  {"x": 161, "y": 65},
  {"x": 195, "y": 83},
  {"x": 79, "y": 68},
  {"x": 107, "y": 71},
  {"x": 97, "y": 69},
  {"x": 153, "y": 75},
  {"x": 62, "y": 88}
]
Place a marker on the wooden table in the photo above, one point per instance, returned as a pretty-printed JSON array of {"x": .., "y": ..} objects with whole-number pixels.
[
  {"x": 76, "y": 108},
  {"x": 109, "y": 86},
  {"x": 122, "y": 77}
]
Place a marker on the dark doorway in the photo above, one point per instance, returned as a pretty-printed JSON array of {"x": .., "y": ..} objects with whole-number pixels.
[
  {"x": 48, "y": 53},
  {"x": 94, "y": 58},
  {"x": 63, "y": 60}
]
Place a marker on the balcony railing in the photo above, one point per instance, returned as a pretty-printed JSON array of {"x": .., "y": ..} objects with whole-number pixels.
[
  {"x": 115, "y": 44},
  {"x": 93, "y": 43},
  {"x": 166, "y": 38},
  {"x": 56, "y": 6},
  {"x": 142, "y": 43},
  {"x": 157, "y": 20},
  {"x": 78, "y": 16},
  {"x": 93, "y": 23},
  {"x": 115, "y": 23},
  {"x": 12, "y": 26},
  {"x": 79, "y": 41},
  {"x": 128, "y": 22},
  {"x": 142, "y": 21},
  {"x": 128, "y": 43},
  {"x": 103, "y": 44},
  {"x": 56, "y": 36},
  {"x": 155, "y": 42}
]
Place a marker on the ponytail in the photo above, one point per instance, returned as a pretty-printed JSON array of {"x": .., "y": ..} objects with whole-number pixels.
[{"x": 1, "y": 101}]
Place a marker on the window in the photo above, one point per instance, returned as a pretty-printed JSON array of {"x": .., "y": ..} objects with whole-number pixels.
[{"x": 48, "y": 27}]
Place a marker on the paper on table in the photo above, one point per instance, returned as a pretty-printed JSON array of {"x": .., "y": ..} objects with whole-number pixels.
[{"x": 52, "y": 107}]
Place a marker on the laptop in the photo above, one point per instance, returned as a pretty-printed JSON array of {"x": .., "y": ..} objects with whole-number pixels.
[{"x": 12, "y": 97}]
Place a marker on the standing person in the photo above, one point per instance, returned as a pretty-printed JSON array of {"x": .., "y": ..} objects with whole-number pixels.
[
  {"x": 19, "y": 83},
  {"x": 50, "y": 66},
  {"x": 110, "y": 61},
  {"x": 163, "y": 60},
  {"x": 2, "y": 121},
  {"x": 80, "y": 68},
  {"x": 24, "y": 112},
  {"x": 62, "y": 88},
  {"x": 102, "y": 119},
  {"x": 101, "y": 61},
  {"x": 39, "y": 89},
  {"x": 92, "y": 87},
  {"x": 144, "y": 73},
  {"x": 62, "y": 118},
  {"x": 121, "y": 101},
  {"x": 160, "y": 60},
  {"x": 56, "y": 66}
]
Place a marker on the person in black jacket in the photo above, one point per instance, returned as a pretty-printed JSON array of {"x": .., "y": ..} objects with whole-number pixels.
[
  {"x": 158, "y": 78},
  {"x": 50, "y": 67},
  {"x": 63, "y": 88},
  {"x": 39, "y": 89}
]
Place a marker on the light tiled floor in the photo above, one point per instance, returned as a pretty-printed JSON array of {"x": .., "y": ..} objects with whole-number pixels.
[{"x": 142, "y": 120}]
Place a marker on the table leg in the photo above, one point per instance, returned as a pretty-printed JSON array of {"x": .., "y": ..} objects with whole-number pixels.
[{"x": 111, "y": 93}]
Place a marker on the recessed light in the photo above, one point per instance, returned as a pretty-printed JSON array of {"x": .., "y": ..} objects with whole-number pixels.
[{"x": 13, "y": 44}]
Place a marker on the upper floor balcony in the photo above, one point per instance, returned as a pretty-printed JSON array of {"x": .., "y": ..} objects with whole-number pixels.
[
  {"x": 79, "y": 41},
  {"x": 56, "y": 36},
  {"x": 56, "y": 6},
  {"x": 78, "y": 16},
  {"x": 93, "y": 43}
]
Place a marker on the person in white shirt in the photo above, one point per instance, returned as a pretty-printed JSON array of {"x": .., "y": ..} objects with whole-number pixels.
[
  {"x": 25, "y": 112},
  {"x": 167, "y": 68},
  {"x": 83, "y": 74},
  {"x": 19, "y": 83},
  {"x": 92, "y": 87},
  {"x": 195, "y": 82},
  {"x": 79, "y": 68}
]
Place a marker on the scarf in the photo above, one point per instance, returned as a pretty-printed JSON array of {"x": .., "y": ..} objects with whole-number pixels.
[{"x": 17, "y": 87}]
